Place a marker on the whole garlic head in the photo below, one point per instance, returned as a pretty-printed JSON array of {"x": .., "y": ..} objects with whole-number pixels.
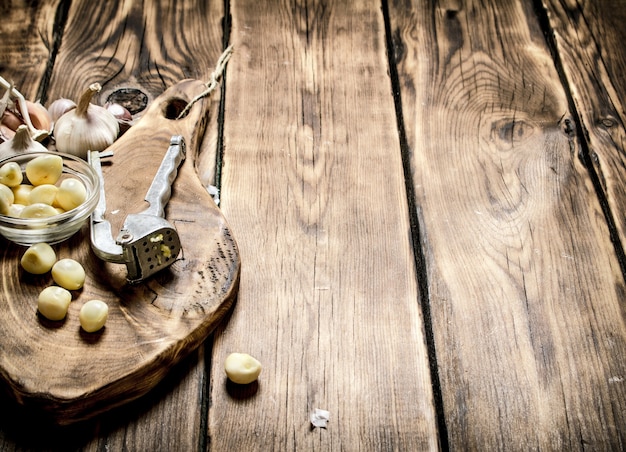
[
  {"x": 88, "y": 127},
  {"x": 20, "y": 143}
]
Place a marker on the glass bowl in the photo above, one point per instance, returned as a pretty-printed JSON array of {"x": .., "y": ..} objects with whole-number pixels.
[{"x": 57, "y": 228}]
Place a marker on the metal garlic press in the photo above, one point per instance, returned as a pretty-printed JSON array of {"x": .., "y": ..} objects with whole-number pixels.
[{"x": 147, "y": 242}]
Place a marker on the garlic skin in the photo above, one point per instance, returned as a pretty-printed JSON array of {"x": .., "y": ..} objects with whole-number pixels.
[
  {"x": 6, "y": 133},
  {"x": 119, "y": 111},
  {"x": 59, "y": 107},
  {"x": 88, "y": 127},
  {"x": 39, "y": 116},
  {"x": 20, "y": 143},
  {"x": 123, "y": 116},
  {"x": 9, "y": 122}
]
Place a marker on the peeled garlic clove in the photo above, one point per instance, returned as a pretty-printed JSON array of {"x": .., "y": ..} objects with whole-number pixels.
[
  {"x": 68, "y": 274},
  {"x": 6, "y": 199},
  {"x": 15, "y": 210},
  {"x": 38, "y": 210},
  {"x": 45, "y": 194},
  {"x": 242, "y": 368},
  {"x": 53, "y": 302},
  {"x": 45, "y": 169},
  {"x": 87, "y": 127},
  {"x": 93, "y": 315},
  {"x": 21, "y": 193},
  {"x": 38, "y": 258},
  {"x": 20, "y": 143},
  {"x": 71, "y": 194},
  {"x": 11, "y": 174}
]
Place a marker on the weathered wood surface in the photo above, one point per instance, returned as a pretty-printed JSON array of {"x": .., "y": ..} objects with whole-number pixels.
[
  {"x": 525, "y": 289},
  {"x": 517, "y": 291},
  {"x": 589, "y": 38},
  {"x": 29, "y": 41},
  {"x": 313, "y": 184}
]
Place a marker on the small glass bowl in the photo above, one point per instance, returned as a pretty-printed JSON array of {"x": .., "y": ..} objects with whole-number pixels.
[{"x": 57, "y": 228}]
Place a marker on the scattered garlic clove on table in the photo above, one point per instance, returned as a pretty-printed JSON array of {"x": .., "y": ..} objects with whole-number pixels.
[{"x": 242, "y": 368}]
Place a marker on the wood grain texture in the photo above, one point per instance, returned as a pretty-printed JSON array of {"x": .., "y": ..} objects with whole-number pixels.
[
  {"x": 313, "y": 189},
  {"x": 161, "y": 420},
  {"x": 590, "y": 40},
  {"x": 27, "y": 38},
  {"x": 525, "y": 290},
  {"x": 72, "y": 375}
]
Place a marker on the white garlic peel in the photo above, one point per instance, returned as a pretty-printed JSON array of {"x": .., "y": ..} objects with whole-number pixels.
[
  {"x": 71, "y": 194},
  {"x": 53, "y": 302},
  {"x": 242, "y": 368},
  {"x": 68, "y": 274},
  {"x": 59, "y": 107},
  {"x": 45, "y": 169},
  {"x": 38, "y": 259},
  {"x": 86, "y": 127},
  {"x": 93, "y": 315},
  {"x": 11, "y": 174}
]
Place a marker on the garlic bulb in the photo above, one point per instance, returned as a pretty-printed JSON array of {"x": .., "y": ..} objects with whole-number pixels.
[
  {"x": 87, "y": 127},
  {"x": 123, "y": 116},
  {"x": 59, "y": 107},
  {"x": 20, "y": 143}
]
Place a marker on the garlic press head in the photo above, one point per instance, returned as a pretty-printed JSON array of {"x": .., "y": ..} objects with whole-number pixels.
[{"x": 149, "y": 244}]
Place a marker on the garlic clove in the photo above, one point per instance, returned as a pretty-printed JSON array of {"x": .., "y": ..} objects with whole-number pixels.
[
  {"x": 117, "y": 110},
  {"x": 11, "y": 120},
  {"x": 123, "y": 116},
  {"x": 21, "y": 193},
  {"x": 93, "y": 315},
  {"x": 8, "y": 119},
  {"x": 11, "y": 174},
  {"x": 59, "y": 107},
  {"x": 87, "y": 127},
  {"x": 38, "y": 210},
  {"x": 6, "y": 133},
  {"x": 7, "y": 198},
  {"x": 44, "y": 169},
  {"x": 39, "y": 116}
]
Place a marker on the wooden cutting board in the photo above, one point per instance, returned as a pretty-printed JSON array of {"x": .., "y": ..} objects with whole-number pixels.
[{"x": 57, "y": 368}]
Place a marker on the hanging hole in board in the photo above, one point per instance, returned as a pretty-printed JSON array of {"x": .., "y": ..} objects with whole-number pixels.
[{"x": 174, "y": 108}]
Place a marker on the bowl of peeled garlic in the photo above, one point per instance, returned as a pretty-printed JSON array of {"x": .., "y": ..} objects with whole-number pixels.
[{"x": 45, "y": 196}]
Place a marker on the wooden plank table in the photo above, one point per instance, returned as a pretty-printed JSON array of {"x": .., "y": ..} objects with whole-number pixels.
[{"x": 428, "y": 199}]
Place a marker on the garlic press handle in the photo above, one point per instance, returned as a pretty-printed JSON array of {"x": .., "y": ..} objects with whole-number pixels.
[
  {"x": 102, "y": 241},
  {"x": 160, "y": 190}
]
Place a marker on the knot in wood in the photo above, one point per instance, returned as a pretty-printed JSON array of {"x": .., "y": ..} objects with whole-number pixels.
[{"x": 133, "y": 99}]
